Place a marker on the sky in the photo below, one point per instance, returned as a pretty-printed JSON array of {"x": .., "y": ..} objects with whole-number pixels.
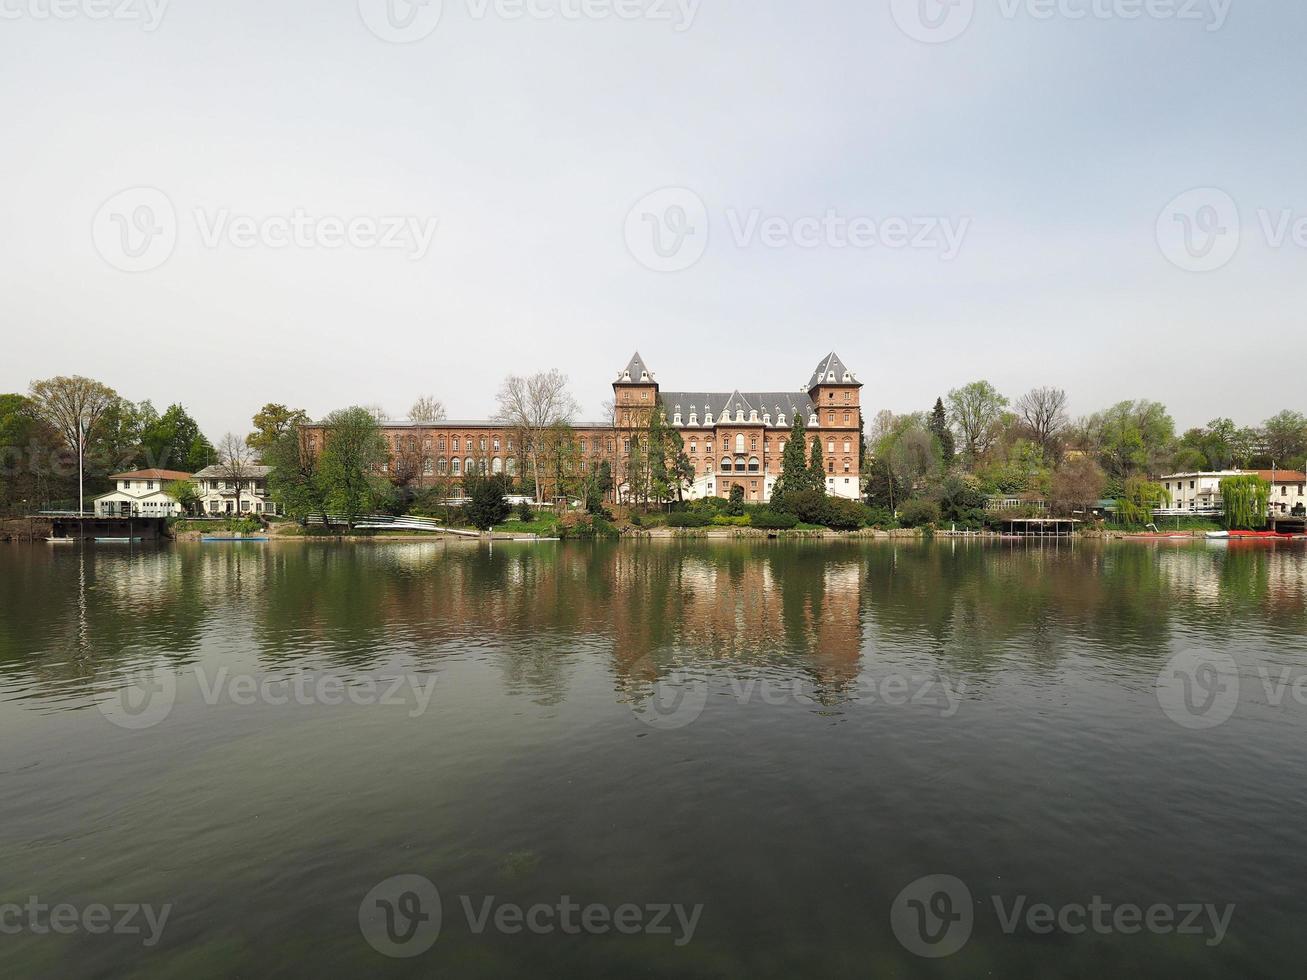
[{"x": 366, "y": 201}]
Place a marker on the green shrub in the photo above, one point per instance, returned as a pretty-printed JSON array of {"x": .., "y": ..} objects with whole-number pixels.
[
  {"x": 525, "y": 512},
  {"x": 844, "y": 515},
  {"x": 731, "y": 520},
  {"x": 773, "y": 521},
  {"x": 880, "y": 517},
  {"x": 587, "y": 528},
  {"x": 918, "y": 513}
]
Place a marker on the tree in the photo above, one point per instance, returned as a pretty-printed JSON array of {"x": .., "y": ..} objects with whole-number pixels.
[
  {"x": 234, "y": 458},
  {"x": 353, "y": 451},
  {"x": 905, "y": 457},
  {"x": 1130, "y": 437},
  {"x": 961, "y": 499},
  {"x": 271, "y": 422},
  {"x": 1246, "y": 499},
  {"x": 794, "y": 465},
  {"x": 938, "y": 426},
  {"x": 735, "y": 502},
  {"x": 975, "y": 410},
  {"x": 73, "y": 407},
  {"x": 1286, "y": 439},
  {"x": 295, "y": 479},
  {"x": 1043, "y": 410},
  {"x": 427, "y": 410},
  {"x": 174, "y": 440},
  {"x": 486, "y": 505},
  {"x": 530, "y": 406},
  {"x": 816, "y": 467},
  {"x": 185, "y": 493},
  {"x": 1139, "y": 501},
  {"x": 1077, "y": 486}
]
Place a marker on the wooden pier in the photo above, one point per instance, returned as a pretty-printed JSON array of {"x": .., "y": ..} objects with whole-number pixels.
[{"x": 87, "y": 527}]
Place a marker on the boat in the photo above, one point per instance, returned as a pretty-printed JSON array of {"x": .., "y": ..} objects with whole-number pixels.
[
  {"x": 1218, "y": 535},
  {"x": 213, "y": 538},
  {"x": 122, "y": 540}
]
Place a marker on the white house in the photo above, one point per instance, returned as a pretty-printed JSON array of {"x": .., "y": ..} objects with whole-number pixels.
[
  {"x": 140, "y": 494},
  {"x": 1200, "y": 493},
  {"x": 218, "y": 490}
]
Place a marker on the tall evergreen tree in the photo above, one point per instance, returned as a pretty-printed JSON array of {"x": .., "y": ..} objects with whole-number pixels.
[
  {"x": 939, "y": 428},
  {"x": 794, "y": 464},
  {"x": 817, "y": 467}
]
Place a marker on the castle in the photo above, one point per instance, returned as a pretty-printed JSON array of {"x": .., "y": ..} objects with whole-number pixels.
[{"x": 730, "y": 438}]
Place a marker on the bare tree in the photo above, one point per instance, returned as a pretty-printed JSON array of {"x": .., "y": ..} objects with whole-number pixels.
[
  {"x": 427, "y": 410},
  {"x": 73, "y": 407},
  {"x": 378, "y": 413},
  {"x": 533, "y": 405},
  {"x": 234, "y": 459},
  {"x": 1044, "y": 412}
]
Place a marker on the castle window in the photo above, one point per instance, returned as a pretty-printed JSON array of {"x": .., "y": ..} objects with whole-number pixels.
[
  {"x": 739, "y": 464},
  {"x": 848, "y": 396},
  {"x": 780, "y": 419},
  {"x": 707, "y": 446},
  {"x": 582, "y": 445},
  {"x": 753, "y": 415},
  {"x": 426, "y": 466},
  {"x": 830, "y": 446},
  {"x": 812, "y": 420},
  {"x": 753, "y": 464},
  {"x": 676, "y": 419},
  {"x": 469, "y": 466},
  {"x": 482, "y": 446},
  {"x": 496, "y": 443},
  {"x": 457, "y": 466},
  {"x": 847, "y": 446},
  {"x": 440, "y": 444},
  {"x": 707, "y": 418},
  {"x": 726, "y": 464},
  {"x": 848, "y": 466},
  {"x": 766, "y": 418},
  {"x": 442, "y": 466},
  {"x": 753, "y": 444},
  {"x": 739, "y": 443},
  {"x": 497, "y": 466},
  {"x": 626, "y": 445},
  {"x": 694, "y": 446},
  {"x": 739, "y": 414},
  {"x": 511, "y": 467},
  {"x": 846, "y": 418}
]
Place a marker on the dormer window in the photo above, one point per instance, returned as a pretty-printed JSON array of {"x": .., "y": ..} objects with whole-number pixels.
[
  {"x": 707, "y": 418},
  {"x": 644, "y": 375},
  {"x": 626, "y": 375},
  {"x": 694, "y": 418},
  {"x": 830, "y": 376},
  {"x": 766, "y": 418},
  {"x": 812, "y": 419},
  {"x": 753, "y": 415},
  {"x": 847, "y": 377},
  {"x": 739, "y": 414},
  {"x": 780, "y": 419},
  {"x": 676, "y": 419}
]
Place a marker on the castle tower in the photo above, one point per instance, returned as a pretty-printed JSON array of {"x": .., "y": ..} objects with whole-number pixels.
[
  {"x": 836, "y": 401},
  {"x": 635, "y": 393}
]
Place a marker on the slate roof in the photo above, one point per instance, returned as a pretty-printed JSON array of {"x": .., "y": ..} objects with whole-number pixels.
[
  {"x": 635, "y": 371},
  {"x": 164, "y": 475},
  {"x": 775, "y": 403},
  {"x": 831, "y": 365}
]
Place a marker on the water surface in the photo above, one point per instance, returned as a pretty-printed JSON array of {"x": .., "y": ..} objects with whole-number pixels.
[{"x": 786, "y": 735}]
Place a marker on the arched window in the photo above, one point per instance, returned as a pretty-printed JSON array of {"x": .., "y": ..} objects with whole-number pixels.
[
  {"x": 469, "y": 466},
  {"x": 511, "y": 467},
  {"x": 739, "y": 443},
  {"x": 426, "y": 465},
  {"x": 442, "y": 466},
  {"x": 457, "y": 466},
  {"x": 726, "y": 464},
  {"x": 739, "y": 464},
  {"x": 497, "y": 466},
  {"x": 753, "y": 464}
]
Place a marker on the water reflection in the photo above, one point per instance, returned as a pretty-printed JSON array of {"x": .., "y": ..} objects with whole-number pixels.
[{"x": 819, "y": 615}]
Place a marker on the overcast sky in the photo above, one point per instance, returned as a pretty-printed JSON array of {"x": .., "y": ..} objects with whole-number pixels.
[{"x": 994, "y": 192}]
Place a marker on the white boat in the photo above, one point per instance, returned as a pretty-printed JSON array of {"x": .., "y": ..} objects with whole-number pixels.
[{"x": 1218, "y": 535}]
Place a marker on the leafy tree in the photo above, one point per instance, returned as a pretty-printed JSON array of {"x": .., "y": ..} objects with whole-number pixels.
[
  {"x": 295, "y": 480},
  {"x": 174, "y": 441},
  {"x": 1286, "y": 439},
  {"x": 185, "y": 493},
  {"x": 960, "y": 499},
  {"x": 1246, "y": 499},
  {"x": 271, "y": 422},
  {"x": 352, "y": 454},
  {"x": 975, "y": 410},
  {"x": 939, "y": 428},
  {"x": 919, "y": 512},
  {"x": 1139, "y": 501},
  {"x": 1131, "y": 437}
]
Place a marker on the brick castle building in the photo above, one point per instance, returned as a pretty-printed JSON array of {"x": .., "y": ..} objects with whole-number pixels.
[{"x": 730, "y": 437}]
